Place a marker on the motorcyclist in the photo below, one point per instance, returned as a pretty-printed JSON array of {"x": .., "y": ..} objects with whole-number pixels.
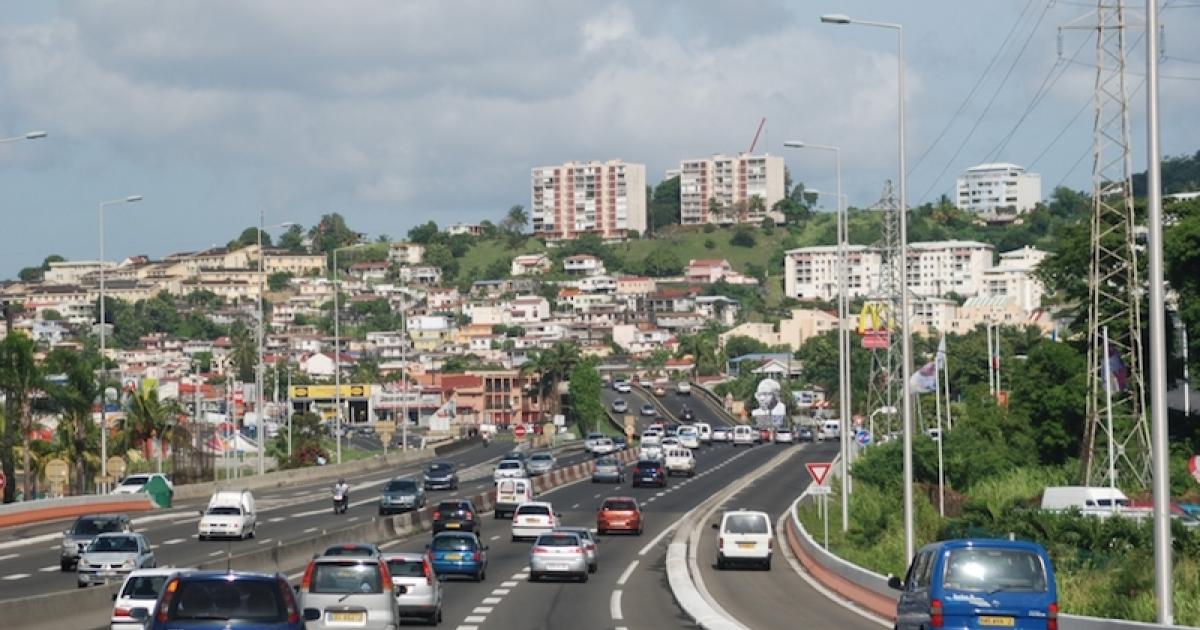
[
  {"x": 487, "y": 437},
  {"x": 342, "y": 488}
]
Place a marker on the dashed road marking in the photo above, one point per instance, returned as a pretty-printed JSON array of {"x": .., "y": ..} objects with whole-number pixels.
[
  {"x": 53, "y": 567},
  {"x": 575, "y": 506},
  {"x": 216, "y": 553},
  {"x": 174, "y": 541},
  {"x": 520, "y": 576},
  {"x": 614, "y": 605},
  {"x": 15, "y": 576},
  {"x": 276, "y": 519},
  {"x": 9, "y": 556},
  {"x": 265, "y": 541},
  {"x": 482, "y": 610},
  {"x": 467, "y": 628},
  {"x": 509, "y": 583},
  {"x": 492, "y": 600},
  {"x": 502, "y": 591},
  {"x": 310, "y": 530},
  {"x": 186, "y": 520},
  {"x": 496, "y": 537},
  {"x": 475, "y": 619},
  {"x": 628, "y": 572}
]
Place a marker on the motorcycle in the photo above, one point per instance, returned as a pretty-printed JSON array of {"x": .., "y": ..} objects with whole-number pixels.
[
  {"x": 341, "y": 501},
  {"x": 486, "y": 440}
]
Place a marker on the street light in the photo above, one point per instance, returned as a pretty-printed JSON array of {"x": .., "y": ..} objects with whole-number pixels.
[
  {"x": 258, "y": 372},
  {"x": 905, "y": 339},
  {"x": 32, "y": 135},
  {"x": 337, "y": 350},
  {"x": 103, "y": 326}
]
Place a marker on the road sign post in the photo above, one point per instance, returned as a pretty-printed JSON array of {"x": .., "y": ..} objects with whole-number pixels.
[
  {"x": 819, "y": 471},
  {"x": 385, "y": 430}
]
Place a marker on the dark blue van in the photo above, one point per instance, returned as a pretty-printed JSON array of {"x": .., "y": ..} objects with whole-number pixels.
[{"x": 978, "y": 583}]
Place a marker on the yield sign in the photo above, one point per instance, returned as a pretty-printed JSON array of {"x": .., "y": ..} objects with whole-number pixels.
[{"x": 819, "y": 471}]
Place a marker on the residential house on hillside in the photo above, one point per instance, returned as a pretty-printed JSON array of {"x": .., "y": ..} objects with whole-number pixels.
[
  {"x": 708, "y": 271},
  {"x": 369, "y": 271},
  {"x": 423, "y": 275},
  {"x": 642, "y": 338},
  {"x": 530, "y": 265},
  {"x": 583, "y": 265},
  {"x": 406, "y": 254},
  {"x": 322, "y": 364}
]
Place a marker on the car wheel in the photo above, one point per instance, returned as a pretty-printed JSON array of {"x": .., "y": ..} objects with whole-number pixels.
[
  {"x": 600, "y": 531},
  {"x": 592, "y": 568},
  {"x": 80, "y": 585},
  {"x": 383, "y": 512},
  {"x": 203, "y": 537},
  {"x": 533, "y": 577},
  {"x": 720, "y": 564},
  {"x": 64, "y": 565},
  {"x": 515, "y": 539}
]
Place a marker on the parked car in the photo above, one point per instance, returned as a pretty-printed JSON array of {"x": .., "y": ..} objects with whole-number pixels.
[
  {"x": 589, "y": 545},
  {"x": 140, "y": 590},
  {"x": 509, "y": 469},
  {"x": 401, "y": 494},
  {"x": 460, "y": 554},
  {"x": 340, "y": 591},
  {"x": 619, "y": 514},
  {"x": 683, "y": 388},
  {"x": 783, "y": 435},
  {"x": 559, "y": 554},
  {"x": 608, "y": 470},
  {"x": 113, "y": 556},
  {"x": 440, "y": 476},
  {"x": 948, "y": 580},
  {"x": 456, "y": 515},
  {"x": 532, "y": 519},
  {"x": 620, "y": 406},
  {"x": 650, "y": 473},
  {"x": 418, "y": 591},
  {"x": 745, "y": 537},
  {"x": 213, "y": 600},
  {"x": 721, "y": 434},
  {"x": 804, "y": 434},
  {"x": 649, "y": 410},
  {"x": 134, "y": 484},
  {"x": 540, "y": 463},
  {"x": 353, "y": 550},
  {"x": 85, "y": 529}
]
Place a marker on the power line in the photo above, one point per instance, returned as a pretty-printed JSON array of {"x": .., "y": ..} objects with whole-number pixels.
[{"x": 1139, "y": 74}]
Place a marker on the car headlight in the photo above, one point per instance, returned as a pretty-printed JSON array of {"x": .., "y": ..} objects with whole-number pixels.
[{"x": 128, "y": 564}]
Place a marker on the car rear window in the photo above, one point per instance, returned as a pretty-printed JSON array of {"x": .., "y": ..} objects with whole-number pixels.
[
  {"x": 526, "y": 510},
  {"x": 509, "y": 464},
  {"x": 995, "y": 570},
  {"x": 350, "y": 550},
  {"x": 541, "y": 457},
  {"x": 118, "y": 544},
  {"x": 620, "y": 505},
  {"x": 647, "y": 465},
  {"x": 440, "y": 467},
  {"x": 406, "y": 568},
  {"x": 746, "y": 524},
  {"x": 224, "y": 511},
  {"x": 93, "y": 526},
  {"x": 452, "y": 506},
  {"x": 606, "y": 461},
  {"x": 401, "y": 485},
  {"x": 346, "y": 577},
  {"x": 249, "y": 600},
  {"x": 452, "y": 542},
  {"x": 558, "y": 540},
  {"x": 144, "y": 587}
]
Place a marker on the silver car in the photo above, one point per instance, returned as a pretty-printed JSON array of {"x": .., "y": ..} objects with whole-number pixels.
[
  {"x": 558, "y": 554},
  {"x": 609, "y": 470},
  {"x": 113, "y": 556},
  {"x": 419, "y": 592},
  {"x": 589, "y": 544},
  {"x": 540, "y": 464},
  {"x": 84, "y": 531},
  {"x": 344, "y": 591}
]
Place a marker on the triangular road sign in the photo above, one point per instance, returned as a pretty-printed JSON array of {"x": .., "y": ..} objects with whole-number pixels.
[{"x": 819, "y": 471}]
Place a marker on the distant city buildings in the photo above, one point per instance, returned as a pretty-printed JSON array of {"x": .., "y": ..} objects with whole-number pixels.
[
  {"x": 998, "y": 192},
  {"x": 729, "y": 189},
  {"x": 603, "y": 198}
]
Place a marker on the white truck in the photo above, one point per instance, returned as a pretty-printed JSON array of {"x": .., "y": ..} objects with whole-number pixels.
[{"x": 230, "y": 514}]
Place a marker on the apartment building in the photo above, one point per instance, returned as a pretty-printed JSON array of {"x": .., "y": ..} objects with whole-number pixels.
[
  {"x": 811, "y": 273},
  {"x": 603, "y": 198},
  {"x": 74, "y": 271},
  {"x": 936, "y": 268},
  {"x": 1013, "y": 277},
  {"x": 728, "y": 189},
  {"x": 405, "y": 254},
  {"x": 999, "y": 192}
]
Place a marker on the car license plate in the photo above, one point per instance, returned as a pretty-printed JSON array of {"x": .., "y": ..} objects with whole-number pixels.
[
  {"x": 348, "y": 617},
  {"x": 745, "y": 545},
  {"x": 451, "y": 525},
  {"x": 1005, "y": 622},
  {"x": 557, "y": 566},
  {"x": 454, "y": 556},
  {"x": 617, "y": 524}
]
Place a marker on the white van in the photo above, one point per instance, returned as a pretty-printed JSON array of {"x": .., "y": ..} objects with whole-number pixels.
[
  {"x": 230, "y": 514},
  {"x": 743, "y": 435},
  {"x": 510, "y": 493},
  {"x": 831, "y": 429},
  {"x": 705, "y": 431},
  {"x": 1084, "y": 498},
  {"x": 680, "y": 460},
  {"x": 689, "y": 436},
  {"x": 745, "y": 537}
]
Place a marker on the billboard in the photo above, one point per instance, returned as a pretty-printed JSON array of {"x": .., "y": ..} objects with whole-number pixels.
[{"x": 328, "y": 392}]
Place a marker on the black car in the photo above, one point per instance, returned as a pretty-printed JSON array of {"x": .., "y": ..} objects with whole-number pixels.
[
  {"x": 804, "y": 434},
  {"x": 456, "y": 515},
  {"x": 441, "y": 476},
  {"x": 649, "y": 473},
  {"x": 687, "y": 415}
]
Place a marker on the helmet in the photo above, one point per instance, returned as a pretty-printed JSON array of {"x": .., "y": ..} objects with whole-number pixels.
[{"x": 341, "y": 481}]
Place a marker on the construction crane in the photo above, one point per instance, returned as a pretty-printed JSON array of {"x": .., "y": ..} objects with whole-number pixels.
[{"x": 754, "y": 142}]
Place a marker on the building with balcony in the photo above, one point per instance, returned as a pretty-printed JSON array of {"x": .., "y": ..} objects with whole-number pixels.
[
  {"x": 603, "y": 198},
  {"x": 999, "y": 192},
  {"x": 729, "y": 189},
  {"x": 811, "y": 273},
  {"x": 938, "y": 268}
]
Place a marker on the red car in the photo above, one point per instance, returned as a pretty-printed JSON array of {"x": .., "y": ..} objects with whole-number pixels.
[
  {"x": 619, "y": 514},
  {"x": 764, "y": 435}
]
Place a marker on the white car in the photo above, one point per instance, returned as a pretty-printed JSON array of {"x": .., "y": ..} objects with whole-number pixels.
[
  {"x": 620, "y": 406},
  {"x": 720, "y": 434},
  {"x": 705, "y": 431},
  {"x": 622, "y": 387},
  {"x": 509, "y": 469},
  {"x": 590, "y": 441},
  {"x": 134, "y": 484},
  {"x": 783, "y": 435},
  {"x": 744, "y": 435},
  {"x": 603, "y": 446},
  {"x": 745, "y": 537},
  {"x": 689, "y": 436},
  {"x": 230, "y": 514},
  {"x": 140, "y": 590},
  {"x": 680, "y": 461},
  {"x": 652, "y": 452},
  {"x": 683, "y": 388},
  {"x": 651, "y": 437},
  {"x": 533, "y": 519},
  {"x": 671, "y": 442}
]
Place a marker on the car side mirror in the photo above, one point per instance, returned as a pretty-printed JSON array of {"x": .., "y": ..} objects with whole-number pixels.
[
  {"x": 200, "y": 512},
  {"x": 66, "y": 532},
  {"x": 427, "y": 546},
  {"x": 558, "y": 515},
  {"x": 114, "y": 597},
  {"x": 139, "y": 614},
  {"x": 716, "y": 526},
  {"x": 895, "y": 583},
  {"x": 312, "y": 614}
]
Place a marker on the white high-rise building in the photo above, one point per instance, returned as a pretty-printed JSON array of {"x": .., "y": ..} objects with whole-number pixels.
[
  {"x": 603, "y": 198},
  {"x": 730, "y": 181},
  {"x": 998, "y": 191},
  {"x": 811, "y": 273},
  {"x": 936, "y": 268}
]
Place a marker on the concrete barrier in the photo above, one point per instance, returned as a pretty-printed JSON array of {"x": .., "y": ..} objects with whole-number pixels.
[
  {"x": 713, "y": 402},
  {"x": 26, "y": 512}
]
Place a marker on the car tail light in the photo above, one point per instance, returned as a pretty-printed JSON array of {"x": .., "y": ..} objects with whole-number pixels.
[
  {"x": 168, "y": 595},
  {"x": 469, "y": 516},
  {"x": 427, "y": 569},
  {"x": 120, "y": 612},
  {"x": 289, "y": 601},
  {"x": 936, "y": 618},
  {"x": 477, "y": 556},
  {"x": 306, "y": 581},
  {"x": 1052, "y": 616},
  {"x": 721, "y": 542},
  {"x": 385, "y": 578},
  {"x": 437, "y": 516},
  {"x": 770, "y": 544}
]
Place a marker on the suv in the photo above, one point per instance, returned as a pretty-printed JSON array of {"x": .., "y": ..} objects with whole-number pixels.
[
  {"x": 745, "y": 537},
  {"x": 418, "y": 591},
  {"x": 339, "y": 591},
  {"x": 401, "y": 495},
  {"x": 204, "y": 599},
  {"x": 649, "y": 473},
  {"x": 456, "y": 514},
  {"x": 679, "y": 460},
  {"x": 84, "y": 531}
]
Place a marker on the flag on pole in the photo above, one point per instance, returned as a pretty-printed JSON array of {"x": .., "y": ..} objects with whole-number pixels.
[
  {"x": 924, "y": 380},
  {"x": 1117, "y": 370},
  {"x": 940, "y": 358}
]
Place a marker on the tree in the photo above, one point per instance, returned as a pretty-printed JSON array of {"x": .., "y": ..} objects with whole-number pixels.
[
  {"x": 331, "y": 232},
  {"x": 30, "y": 274},
  {"x": 20, "y": 378},
  {"x": 71, "y": 395},
  {"x": 585, "y": 396},
  {"x": 279, "y": 280},
  {"x": 664, "y": 204},
  {"x": 515, "y": 220},
  {"x": 440, "y": 256},
  {"x": 552, "y": 366},
  {"x": 306, "y": 442},
  {"x": 147, "y": 418},
  {"x": 1182, "y": 255},
  {"x": 244, "y": 351},
  {"x": 425, "y": 233},
  {"x": 743, "y": 237},
  {"x": 662, "y": 262},
  {"x": 204, "y": 299},
  {"x": 248, "y": 237},
  {"x": 702, "y": 347},
  {"x": 739, "y": 345},
  {"x": 293, "y": 240}
]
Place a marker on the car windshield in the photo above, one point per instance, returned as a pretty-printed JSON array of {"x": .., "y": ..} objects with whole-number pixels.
[
  {"x": 346, "y": 577},
  {"x": 401, "y": 485},
  {"x": 620, "y": 506},
  {"x": 452, "y": 506},
  {"x": 93, "y": 526},
  {"x": 225, "y": 511},
  {"x": 595, "y": 436},
  {"x": 558, "y": 540},
  {"x": 249, "y": 600},
  {"x": 533, "y": 510},
  {"x": 994, "y": 570},
  {"x": 118, "y": 544},
  {"x": 136, "y": 480},
  {"x": 746, "y": 524},
  {"x": 400, "y": 567},
  {"x": 441, "y": 543},
  {"x": 440, "y": 468},
  {"x": 143, "y": 587},
  {"x": 542, "y": 458},
  {"x": 509, "y": 465}
]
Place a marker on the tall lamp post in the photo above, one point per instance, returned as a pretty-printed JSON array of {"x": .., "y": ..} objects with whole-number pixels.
[
  {"x": 258, "y": 372},
  {"x": 337, "y": 350},
  {"x": 103, "y": 327},
  {"x": 843, "y": 320},
  {"x": 905, "y": 339}
]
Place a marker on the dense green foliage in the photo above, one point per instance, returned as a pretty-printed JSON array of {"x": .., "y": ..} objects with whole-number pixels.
[{"x": 586, "y": 403}]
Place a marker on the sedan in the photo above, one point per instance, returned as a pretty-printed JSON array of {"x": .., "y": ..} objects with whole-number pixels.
[
  {"x": 540, "y": 464},
  {"x": 459, "y": 553},
  {"x": 589, "y": 544},
  {"x": 619, "y": 514},
  {"x": 650, "y": 473},
  {"x": 441, "y": 476},
  {"x": 608, "y": 470},
  {"x": 783, "y": 435},
  {"x": 804, "y": 434},
  {"x": 620, "y": 406},
  {"x": 558, "y": 554},
  {"x": 720, "y": 434},
  {"x": 113, "y": 556},
  {"x": 649, "y": 410}
]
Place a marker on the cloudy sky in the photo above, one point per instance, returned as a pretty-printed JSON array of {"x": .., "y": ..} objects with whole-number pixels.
[{"x": 397, "y": 112}]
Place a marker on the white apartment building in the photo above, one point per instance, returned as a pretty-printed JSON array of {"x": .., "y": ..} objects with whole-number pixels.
[
  {"x": 998, "y": 191},
  {"x": 1014, "y": 277},
  {"x": 936, "y": 268},
  {"x": 603, "y": 198},
  {"x": 74, "y": 271},
  {"x": 811, "y": 273},
  {"x": 730, "y": 181},
  {"x": 405, "y": 254}
]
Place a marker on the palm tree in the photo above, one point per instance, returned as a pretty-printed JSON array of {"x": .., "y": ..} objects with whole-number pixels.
[
  {"x": 244, "y": 354},
  {"x": 553, "y": 366},
  {"x": 77, "y": 436},
  {"x": 147, "y": 418},
  {"x": 20, "y": 376}
]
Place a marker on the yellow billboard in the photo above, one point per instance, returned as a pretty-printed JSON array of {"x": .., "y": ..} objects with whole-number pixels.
[{"x": 328, "y": 392}]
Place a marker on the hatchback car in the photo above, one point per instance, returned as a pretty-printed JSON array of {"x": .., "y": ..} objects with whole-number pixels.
[
  {"x": 532, "y": 519},
  {"x": 619, "y": 514},
  {"x": 440, "y": 476},
  {"x": 140, "y": 590},
  {"x": 608, "y": 470},
  {"x": 649, "y": 410},
  {"x": 783, "y": 435},
  {"x": 459, "y": 554},
  {"x": 456, "y": 515},
  {"x": 560, "y": 554},
  {"x": 84, "y": 531},
  {"x": 649, "y": 473},
  {"x": 620, "y": 442},
  {"x": 804, "y": 434},
  {"x": 418, "y": 591},
  {"x": 620, "y": 406},
  {"x": 217, "y": 600},
  {"x": 540, "y": 463},
  {"x": 720, "y": 434},
  {"x": 508, "y": 469},
  {"x": 401, "y": 494},
  {"x": 341, "y": 591},
  {"x": 113, "y": 556},
  {"x": 745, "y": 538},
  {"x": 970, "y": 583}
]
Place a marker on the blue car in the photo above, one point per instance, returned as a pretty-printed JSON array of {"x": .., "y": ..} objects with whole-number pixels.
[
  {"x": 978, "y": 583},
  {"x": 217, "y": 600},
  {"x": 459, "y": 553}
]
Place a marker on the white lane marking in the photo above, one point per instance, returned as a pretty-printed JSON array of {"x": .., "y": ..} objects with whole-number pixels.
[
  {"x": 277, "y": 519},
  {"x": 15, "y": 576},
  {"x": 216, "y": 553},
  {"x": 467, "y": 628},
  {"x": 390, "y": 543},
  {"x": 492, "y": 600},
  {"x": 628, "y": 572},
  {"x": 509, "y": 584},
  {"x": 186, "y": 520},
  {"x": 496, "y": 537},
  {"x": 661, "y": 493},
  {"x": 598, "y": 495},
  {"x": 520, "y": 576},
  {"x": 475, "y": 619},
  {"x": 310, "y": 530},
  {"x": 501, "y": 591},
  {"x": 352, "y": 519},
  {"x": 614, "y": 605},
  {"x": 620, "y": 628},
  {"x": 174, "y": 541},
  {"x": 53, "y": 567},
  {"x": 265, "y": 541},
  {"x": 574, "y": 506},
  {"x": 651, "y": 499},
  {"x": 9, "y": 556},
  {"x": 482, "y": 610},
  {"x": 141, "y": 530}
]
